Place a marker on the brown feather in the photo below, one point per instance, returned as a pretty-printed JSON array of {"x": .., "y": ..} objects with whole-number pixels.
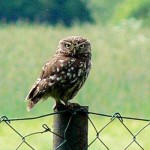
[{"x": 62, "y": 76}]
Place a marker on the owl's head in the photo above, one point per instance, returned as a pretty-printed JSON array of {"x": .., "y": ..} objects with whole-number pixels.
[{"x": 74, "y": 46}]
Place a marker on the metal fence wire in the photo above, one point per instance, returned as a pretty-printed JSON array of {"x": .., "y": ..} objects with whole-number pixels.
[{"x": 97, "y": 130}]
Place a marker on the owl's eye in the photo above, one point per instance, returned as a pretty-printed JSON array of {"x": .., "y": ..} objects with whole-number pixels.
[
  {"x": 82, "y": 46},
  {"x": 67, "y": 45}
]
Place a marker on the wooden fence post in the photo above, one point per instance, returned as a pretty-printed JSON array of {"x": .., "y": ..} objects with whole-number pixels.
[{"x": 72, "y": 128}]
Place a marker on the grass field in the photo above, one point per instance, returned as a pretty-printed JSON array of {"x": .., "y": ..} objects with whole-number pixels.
[{"x": 119, "y": 80}]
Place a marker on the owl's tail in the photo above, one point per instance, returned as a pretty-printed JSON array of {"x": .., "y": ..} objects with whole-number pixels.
[
  {"x": 33, "y": 98},
  {"x": 31, "y": 104}
]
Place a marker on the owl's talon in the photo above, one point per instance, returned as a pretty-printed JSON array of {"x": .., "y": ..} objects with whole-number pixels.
[
  {"x": 59, "y": 107},
  {"x": 73, "y": 106}
]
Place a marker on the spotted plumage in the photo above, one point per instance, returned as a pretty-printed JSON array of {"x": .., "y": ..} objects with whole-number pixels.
[{"x": 64, "y": 74}]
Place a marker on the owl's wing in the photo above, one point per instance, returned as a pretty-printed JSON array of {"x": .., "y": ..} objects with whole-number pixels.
[{"x": 58, "y": 70}]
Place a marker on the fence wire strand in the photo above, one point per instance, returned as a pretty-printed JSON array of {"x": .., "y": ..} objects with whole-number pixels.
[{"x": 47, "y": 129}]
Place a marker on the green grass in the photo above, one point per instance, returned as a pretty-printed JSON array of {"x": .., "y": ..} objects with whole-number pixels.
[{"x": 119, "y": 80}]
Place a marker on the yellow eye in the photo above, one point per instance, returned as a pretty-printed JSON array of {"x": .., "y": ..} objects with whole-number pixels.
[
  {"x": 82, "y": 46},
  {"x": 67, "y": 45}
]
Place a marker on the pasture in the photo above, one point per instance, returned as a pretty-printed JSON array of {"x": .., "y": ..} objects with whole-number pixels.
[{"x": 118, "y": 82}]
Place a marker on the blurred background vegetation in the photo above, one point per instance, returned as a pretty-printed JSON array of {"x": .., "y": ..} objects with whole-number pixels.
[
  {"x": 119, "y": 31},
  {"x": 68, "y": 12}
]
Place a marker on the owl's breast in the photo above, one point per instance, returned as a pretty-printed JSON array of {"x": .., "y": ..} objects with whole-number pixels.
[
  {"x": 71, "y": 87},
  {"x": 70, "y": 79}
]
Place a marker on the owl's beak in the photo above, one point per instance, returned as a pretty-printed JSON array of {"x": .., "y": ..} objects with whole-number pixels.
[{"x": 74, "y": 50}]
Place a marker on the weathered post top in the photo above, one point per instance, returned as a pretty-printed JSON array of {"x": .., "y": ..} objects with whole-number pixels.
[{"x": 71, "y": 128}]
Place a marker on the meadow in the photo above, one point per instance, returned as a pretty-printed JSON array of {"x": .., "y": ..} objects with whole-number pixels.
[{"x": 118, "y": 82}]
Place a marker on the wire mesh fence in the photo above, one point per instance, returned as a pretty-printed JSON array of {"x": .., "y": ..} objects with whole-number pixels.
[{"x": 107, "y": 132}]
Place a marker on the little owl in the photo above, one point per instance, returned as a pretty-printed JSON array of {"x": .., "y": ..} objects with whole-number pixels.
[{"x": 64, "y": 74}]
